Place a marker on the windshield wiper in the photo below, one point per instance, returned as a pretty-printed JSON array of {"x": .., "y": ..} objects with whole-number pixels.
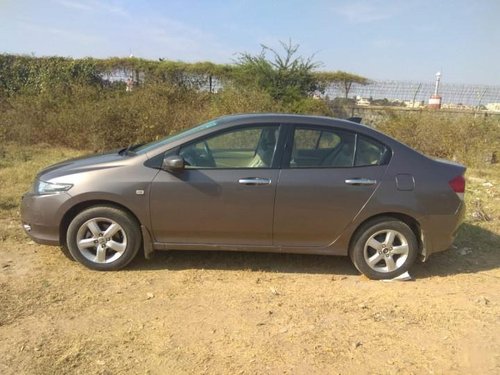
[
  {"x": 125, "y": 151},
  {"x": 129, "y": 149}
]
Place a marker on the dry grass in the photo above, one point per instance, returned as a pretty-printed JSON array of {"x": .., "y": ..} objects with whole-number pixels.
[
  {"x": 18, "y": 168},
  {"x": 467, "y": 139},
  {"x": 112, "y": 118}
]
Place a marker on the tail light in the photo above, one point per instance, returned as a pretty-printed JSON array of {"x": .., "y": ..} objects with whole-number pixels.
[{"x": 458, "y": 185}]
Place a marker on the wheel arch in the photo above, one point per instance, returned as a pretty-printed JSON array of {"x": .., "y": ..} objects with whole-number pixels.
[{"x": 413, "y": 223}]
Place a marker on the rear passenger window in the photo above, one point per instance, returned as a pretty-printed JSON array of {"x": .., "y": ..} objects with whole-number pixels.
[
  {"x": 328, "y": 140},
  {"x": 369, "y": 152},
  {"x": 316, "y": 148}
]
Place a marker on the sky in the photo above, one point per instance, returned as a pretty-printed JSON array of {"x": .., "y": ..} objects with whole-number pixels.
[{"x": 379, "y": 39}]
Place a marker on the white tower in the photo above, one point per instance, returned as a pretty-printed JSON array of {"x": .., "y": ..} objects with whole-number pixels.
[{"x": 435, "y": 99}]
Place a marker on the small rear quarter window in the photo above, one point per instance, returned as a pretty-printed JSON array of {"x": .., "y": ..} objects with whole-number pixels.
[{"x": 369, "y": 152}]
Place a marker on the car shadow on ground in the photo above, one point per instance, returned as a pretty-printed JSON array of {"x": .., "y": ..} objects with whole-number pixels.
[
  {"x": 241, "y": 261},
  {"x": 475, "y": 250}
]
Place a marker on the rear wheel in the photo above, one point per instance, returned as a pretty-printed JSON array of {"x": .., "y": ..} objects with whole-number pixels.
[
  {"x": 103, "y": 238},
  {"x": 384, "y": 248}
]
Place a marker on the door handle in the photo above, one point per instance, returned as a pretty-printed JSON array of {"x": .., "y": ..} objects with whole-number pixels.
[
  {"x": 254, "y": 181},
  {"x": 360, "y": 181}
]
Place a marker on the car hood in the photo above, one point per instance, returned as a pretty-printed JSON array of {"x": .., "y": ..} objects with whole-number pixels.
[{"x": 110, "y": 159}]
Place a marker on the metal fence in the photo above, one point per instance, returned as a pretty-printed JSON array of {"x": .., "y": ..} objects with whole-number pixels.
[
  {"x": 454, "y": 95},
  {"x": 408, "y": 91}
]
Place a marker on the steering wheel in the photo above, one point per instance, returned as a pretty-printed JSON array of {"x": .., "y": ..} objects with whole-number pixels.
[
  {"x": 209, "y": 158},
  {"x": 198, "y": 156}
]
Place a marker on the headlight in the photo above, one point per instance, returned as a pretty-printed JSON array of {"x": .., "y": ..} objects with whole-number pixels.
[{"x": 42, "y": 187}]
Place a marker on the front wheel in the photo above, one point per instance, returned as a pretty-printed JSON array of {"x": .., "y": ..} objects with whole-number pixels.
[
  {"x": 103, "y": 238},
  {"x": 384, "y": 248}
]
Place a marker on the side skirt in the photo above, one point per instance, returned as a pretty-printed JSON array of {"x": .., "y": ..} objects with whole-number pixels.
[{"x": 248, "y": 248}]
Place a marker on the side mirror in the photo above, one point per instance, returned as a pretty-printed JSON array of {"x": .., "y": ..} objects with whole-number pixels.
[{"x": 174, "y": 163}]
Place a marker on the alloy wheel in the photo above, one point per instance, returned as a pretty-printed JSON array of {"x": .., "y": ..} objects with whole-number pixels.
[
  {"x": 101, "y": 240},
  {"x": 386, "y": 251}
]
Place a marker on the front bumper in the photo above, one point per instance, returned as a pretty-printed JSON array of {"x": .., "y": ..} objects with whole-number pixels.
[{"x": 41, "y": 216}]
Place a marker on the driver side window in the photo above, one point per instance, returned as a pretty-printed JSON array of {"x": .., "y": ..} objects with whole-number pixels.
[{"x": 248, "y": 147}]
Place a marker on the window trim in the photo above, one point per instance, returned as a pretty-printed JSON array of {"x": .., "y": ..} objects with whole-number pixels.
[{"x": 283, "y": 148}]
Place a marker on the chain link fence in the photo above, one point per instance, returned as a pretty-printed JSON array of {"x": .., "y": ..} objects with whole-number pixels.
[
  {"x": 416, "y": 94},
  {"x": 408, "y": 94}
]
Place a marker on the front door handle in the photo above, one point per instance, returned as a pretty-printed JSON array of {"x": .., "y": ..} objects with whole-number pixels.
[
  {"x": 360, "y": 181},
  {"x": 254, "y": 181}
]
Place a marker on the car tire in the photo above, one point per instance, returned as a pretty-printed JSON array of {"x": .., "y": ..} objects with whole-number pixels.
[
  {"x": 384, "y": 248},
  {"x": 104, "y": 238}
]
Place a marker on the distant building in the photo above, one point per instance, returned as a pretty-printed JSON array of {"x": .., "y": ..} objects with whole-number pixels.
[
  {"x": 459, "y": 106},
  {"x": 493, "y": 107},
  {"x": 362, "y": 101},
  {"x": 413, "y": 103}
]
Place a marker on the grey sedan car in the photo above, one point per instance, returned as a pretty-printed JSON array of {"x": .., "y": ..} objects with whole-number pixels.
[{"x": 256, "y": 182}]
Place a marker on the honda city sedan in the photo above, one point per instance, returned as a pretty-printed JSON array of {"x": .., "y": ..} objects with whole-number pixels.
[{"x": 255, "y": 182}]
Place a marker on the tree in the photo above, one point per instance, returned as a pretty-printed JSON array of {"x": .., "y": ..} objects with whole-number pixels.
[
  {"x": 342, "y": 80},
  {"x": 345, "y": 80},
  {"x": 285, "y": 77}
]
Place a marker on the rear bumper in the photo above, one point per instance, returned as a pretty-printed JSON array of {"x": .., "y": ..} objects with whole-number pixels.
[
  {"x": 40, "y": 216},
  {"x": 440, "y": 230}
]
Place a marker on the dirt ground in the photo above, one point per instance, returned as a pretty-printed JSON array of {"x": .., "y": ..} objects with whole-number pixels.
[
  {"x": 242, "y": 313},
  {"x": 199, "y": 312}
]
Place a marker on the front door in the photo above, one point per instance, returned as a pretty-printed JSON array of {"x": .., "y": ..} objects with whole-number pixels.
[{"x": 226, "y": 193}]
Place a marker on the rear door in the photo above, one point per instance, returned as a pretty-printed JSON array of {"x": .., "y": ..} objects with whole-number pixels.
[{"x": 327, "y": 177}]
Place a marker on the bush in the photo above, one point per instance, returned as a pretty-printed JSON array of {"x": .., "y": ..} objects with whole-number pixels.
[
  {"x": 467, "y": 138},
  {"x": 98, "y": 119},
  {"x": 65, "y": 102},
  {"x": 102, "y": 119},
  {"x": 95, "y": 118}
]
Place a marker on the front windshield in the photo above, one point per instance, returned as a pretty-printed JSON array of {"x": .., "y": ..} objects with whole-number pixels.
[{"x": 172, "y": 138}]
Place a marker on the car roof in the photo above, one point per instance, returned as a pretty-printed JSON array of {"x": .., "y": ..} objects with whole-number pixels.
[{"x": 278, "y": 117}]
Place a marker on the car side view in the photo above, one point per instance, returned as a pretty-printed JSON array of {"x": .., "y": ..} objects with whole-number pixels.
[{"x": 254, "y": 182}]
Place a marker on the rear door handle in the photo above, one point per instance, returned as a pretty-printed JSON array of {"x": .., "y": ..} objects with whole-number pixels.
[
  {"x": 254, "y": 181},
  {"x": 360, "y": 181}
]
